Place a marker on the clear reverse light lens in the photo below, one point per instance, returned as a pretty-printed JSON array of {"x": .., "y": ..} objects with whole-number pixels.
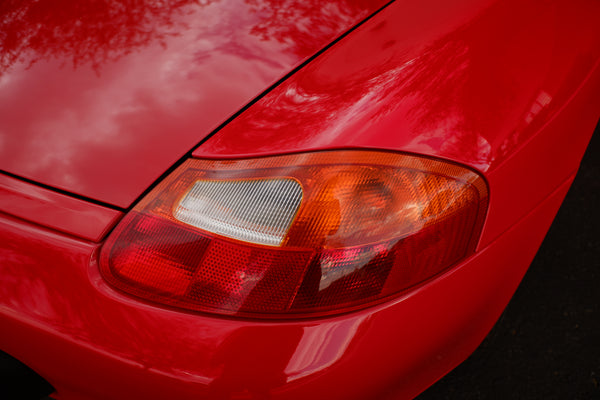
[{"x": 255, "y": 211}]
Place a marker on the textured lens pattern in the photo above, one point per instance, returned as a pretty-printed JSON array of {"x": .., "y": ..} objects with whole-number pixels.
[
  {"x": 354, "y": 205},
  {"x": 156, "y": 256},
  {"x": 257, "y": 211},
  {"x": 248, "y": 279},
  {"x": 294, "y": 236},
  {"x": 344, "y": 278},
  {"x": 182, "y": 267}
]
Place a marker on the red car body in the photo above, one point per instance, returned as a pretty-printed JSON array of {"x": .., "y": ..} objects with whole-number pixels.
[{"x": 98, "y": 102}]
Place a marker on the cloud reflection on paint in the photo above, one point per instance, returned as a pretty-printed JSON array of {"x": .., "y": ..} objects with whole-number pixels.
[{"x": 92, "y": 91}]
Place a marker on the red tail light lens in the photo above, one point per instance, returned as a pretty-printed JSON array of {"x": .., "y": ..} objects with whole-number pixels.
[{"x": 297, "y": 235}]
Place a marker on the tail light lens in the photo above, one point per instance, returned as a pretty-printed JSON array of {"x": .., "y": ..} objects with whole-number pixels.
[{"x": 296, "y": 235}]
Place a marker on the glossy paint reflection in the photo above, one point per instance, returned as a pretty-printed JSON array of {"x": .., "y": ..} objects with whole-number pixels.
[
  {"x": 320, "y": 347},
  {"x": 444, "y": 79},
  {"x": 80, "y": 33},
  {"x": 101, "y": 98}
]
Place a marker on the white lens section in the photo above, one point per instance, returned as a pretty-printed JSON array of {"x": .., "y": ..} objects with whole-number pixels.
[{"x": 257, "y": 211}]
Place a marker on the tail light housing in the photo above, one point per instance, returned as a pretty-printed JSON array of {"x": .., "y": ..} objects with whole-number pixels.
[{"x": 296, "y": 235}]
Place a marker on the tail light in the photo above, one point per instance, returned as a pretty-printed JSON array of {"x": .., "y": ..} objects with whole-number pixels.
[{"x": 297, "y": 235}]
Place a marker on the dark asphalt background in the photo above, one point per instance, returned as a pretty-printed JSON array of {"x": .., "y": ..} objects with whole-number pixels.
[{"x": 546, "y": 345}]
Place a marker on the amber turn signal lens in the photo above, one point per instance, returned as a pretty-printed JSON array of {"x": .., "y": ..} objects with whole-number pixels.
[{"x": 297, "y": 235}]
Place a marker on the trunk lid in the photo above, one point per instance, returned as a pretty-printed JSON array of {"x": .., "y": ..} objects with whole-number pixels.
[{"x": 100, "y": 99}]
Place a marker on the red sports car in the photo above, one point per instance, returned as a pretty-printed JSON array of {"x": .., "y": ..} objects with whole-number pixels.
[{"x": 277, "y": 198}]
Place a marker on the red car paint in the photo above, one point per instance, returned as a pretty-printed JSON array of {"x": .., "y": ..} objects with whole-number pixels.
[
  {"x": 99, "y": 100},
  {"x": 53, "y": 210},
  {"x": 507, "y": 87}
]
